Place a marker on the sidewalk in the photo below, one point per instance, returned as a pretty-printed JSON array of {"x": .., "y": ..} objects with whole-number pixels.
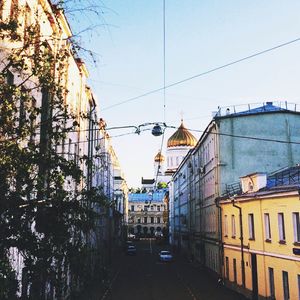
[{"x": 203, "y": 283}]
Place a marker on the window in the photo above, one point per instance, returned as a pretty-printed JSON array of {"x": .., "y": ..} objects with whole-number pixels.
[
  {"x": 271, "y": 283},
  {"x": 132, "y": 207},
  {"x": 32, "y": 120},
  {"x": 227, "y": 267},
  {"x": 14, "y": 9},
  {"x": 152, "y": 220},
  {"x": 27, "y": 23},
  {"x": 267, "y": 227},
  {"x": 251, "y": 226},
  {"x": 10, "y": 78},
  {"x": 225, "y": 226},
  {"x": 281, "y": 228},
  {"x": 1, "y": 9},
  {"x": 22, "y": 111},
  {"x": 296, "y": 226},
  {"x": 298, "y": 286},
  {"x": 234, "y": 271},
  {"x": 158, "y": 219},
  {"x": 139, "y": 220},
  {"x": 145, "y": 220},
  {"x": 158, "y": 208},
  {"x": 37, "y": 41},
  {"x": 250, "y": 186},
  {"x": 75, "y": 152},
  {"x": 285, "y": 281},
  {"x": 69, "y": 149},
  {"x": 233, "y": 230}
]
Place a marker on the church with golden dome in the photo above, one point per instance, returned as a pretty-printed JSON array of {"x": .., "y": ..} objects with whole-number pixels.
[{"x": 178, "y": 145}]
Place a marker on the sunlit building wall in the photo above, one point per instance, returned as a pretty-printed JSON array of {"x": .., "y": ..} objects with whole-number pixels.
[
  {"x": 235, "y": 143},
  {"x": 271, "y": 241}
]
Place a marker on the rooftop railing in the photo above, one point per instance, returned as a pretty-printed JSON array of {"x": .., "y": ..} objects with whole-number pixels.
[{"x": 256, "y": 107}]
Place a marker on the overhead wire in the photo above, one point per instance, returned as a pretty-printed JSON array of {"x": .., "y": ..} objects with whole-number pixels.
[
  {"x": 164, "y": 91},
  {"x": 190, "y": 129},
  {"x": 244, "y": 137},
  {"x": 203, "y": 73}
]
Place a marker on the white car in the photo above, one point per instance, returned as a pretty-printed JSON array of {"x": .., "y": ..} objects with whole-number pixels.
[{"x": 165, "y": 255}]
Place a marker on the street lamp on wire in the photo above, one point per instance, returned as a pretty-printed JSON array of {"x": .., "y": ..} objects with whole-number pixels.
[{"x": 157, "y": 130}]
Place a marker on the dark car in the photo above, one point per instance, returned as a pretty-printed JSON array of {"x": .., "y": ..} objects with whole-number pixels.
[{"x": 131, "y": 250}]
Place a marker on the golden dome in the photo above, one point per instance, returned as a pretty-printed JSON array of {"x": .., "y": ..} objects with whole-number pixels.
[
  {"x": 159, "y": 157},
  {"x": 182, "y": 137}
]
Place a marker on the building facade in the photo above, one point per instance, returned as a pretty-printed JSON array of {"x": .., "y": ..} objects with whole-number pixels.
[
  {"x": 39, "y": 61},
  {"x": 146, "y": 213},
  {"x": 234, "y": 143},
  {"x": 261, "y": 236}
]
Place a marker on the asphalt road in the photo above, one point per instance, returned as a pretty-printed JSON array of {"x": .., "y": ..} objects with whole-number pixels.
[{"x": 144, "y": 277}]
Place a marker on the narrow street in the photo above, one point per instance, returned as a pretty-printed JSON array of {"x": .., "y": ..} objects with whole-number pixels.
[{"x": 144, "y": 277}]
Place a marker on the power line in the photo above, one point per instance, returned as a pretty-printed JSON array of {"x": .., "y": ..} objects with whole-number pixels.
[
  {"x": 203, "y": 73},
  {"x": 245, "y": 137},
  {"x": 190, "y": 129}
]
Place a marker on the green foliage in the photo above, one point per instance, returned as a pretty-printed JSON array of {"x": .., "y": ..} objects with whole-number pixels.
[
  {"x": 162, "y": 185},
  {"x": 44, "y": 214}
]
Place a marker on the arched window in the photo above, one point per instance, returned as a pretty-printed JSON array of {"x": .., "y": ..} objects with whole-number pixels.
[{"x": 250, "y": 186}]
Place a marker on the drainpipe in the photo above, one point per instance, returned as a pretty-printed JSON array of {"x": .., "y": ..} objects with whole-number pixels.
[
  {"x": 242, "y": 240},
  {"x": 221, "y": 252}
]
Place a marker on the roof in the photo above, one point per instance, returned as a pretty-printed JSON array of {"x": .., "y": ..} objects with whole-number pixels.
[
  {"x": 267, "y": 107},
  {"x": 159, "y": 157},
  {"x": 182, "y": 137},
  {"x": 284, "y": 177},
  {"x": 266, "y": 193},
  {"x": 143, "y": 197},
  {"x": 283, "y": 180}
]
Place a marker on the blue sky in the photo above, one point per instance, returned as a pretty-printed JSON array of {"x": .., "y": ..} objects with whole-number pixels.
[{"x": 200, "y": 35}]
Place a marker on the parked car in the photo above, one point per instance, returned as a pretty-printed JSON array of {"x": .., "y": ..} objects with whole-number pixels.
[
  {"x": 165, "y": 255},
  {"x": 131, "y": 250},
  {"x": 127, "y": 243},
  {"x": 133, "y": 237}
]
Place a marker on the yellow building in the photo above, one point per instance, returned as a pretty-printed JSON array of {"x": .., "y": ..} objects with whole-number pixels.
[{"x": 261, "y": 227}]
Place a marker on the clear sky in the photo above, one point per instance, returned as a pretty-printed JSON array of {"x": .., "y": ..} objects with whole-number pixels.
[{"x": 200, "y": 35}]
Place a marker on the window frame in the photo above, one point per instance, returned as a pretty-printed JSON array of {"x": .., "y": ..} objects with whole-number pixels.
[
  {"x": 227, "y": 267},
  {"x": 14, "y": 10},
  {"x": 285, "y": 285},
  {"x": 296, "y": 226},
  {"x": 251, "y": 227},
  {"x": 267, "y": 227},
  {"x": 234, "y": 266},
  {"x": 281, "y": 228},
  {"x": 225, "y": 226},
  {"x": 233, "y": 227},
  {"x": 271, "y": 282},
  {"x": 298, "y": 276}
]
